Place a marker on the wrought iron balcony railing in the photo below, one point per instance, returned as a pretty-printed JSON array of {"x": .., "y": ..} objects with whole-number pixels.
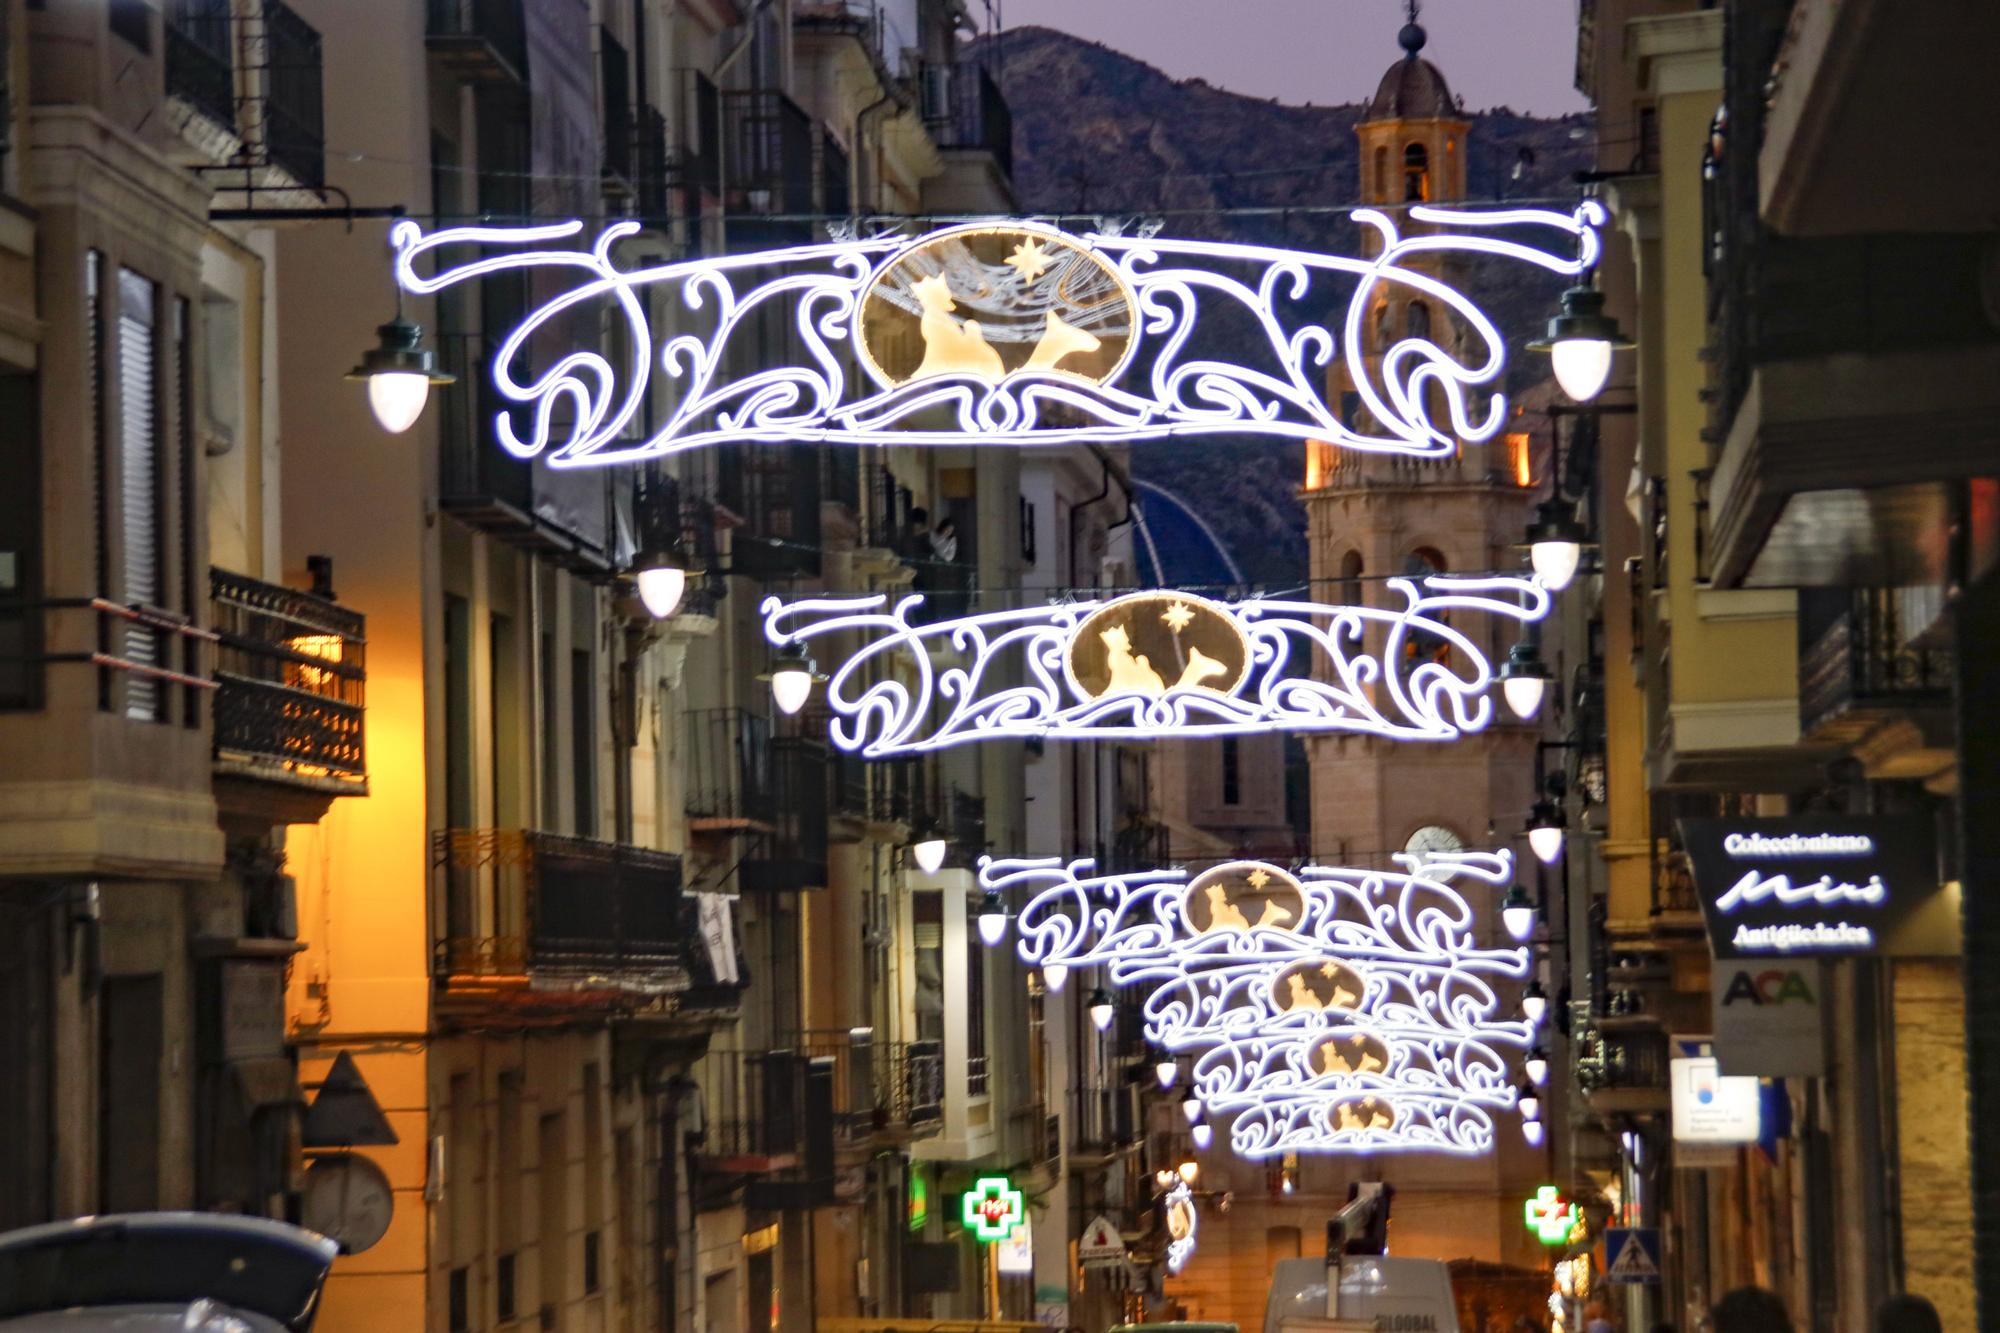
[
  {"x": 1857, "y": 664},
  {"x": 881, "y": 1089},
  {"x": 1622, "y": 1067},
  {"x": 290, "y": 674},
  {"x": 1103, "y": 1120},
  {"x": 968, "y": 111},
  {"x": 481, "y": 39},
  {"x": 586, "y": 915},
  {"x": 200, "y": 59},
  {"x": 729, "y": 778},
  {"x": 768, "y": 140},
  {"x": 792, "y": 856}
]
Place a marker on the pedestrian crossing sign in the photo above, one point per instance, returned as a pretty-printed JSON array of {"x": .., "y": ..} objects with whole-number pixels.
[{"x": 1632, "y": 1254}]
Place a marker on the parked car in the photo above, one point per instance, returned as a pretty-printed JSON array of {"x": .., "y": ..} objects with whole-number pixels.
[
  {"x": 1394, "y": 1295},
  {"x": 134, "y": 1272}
]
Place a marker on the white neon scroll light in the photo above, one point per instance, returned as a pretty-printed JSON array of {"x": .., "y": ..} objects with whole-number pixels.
[
  {"x": 1347, "y": 1011},
  {"x": 911, "y": 686},
  {"x": 681, "y": 319},
  {"x": 1183, "y": 1221}
]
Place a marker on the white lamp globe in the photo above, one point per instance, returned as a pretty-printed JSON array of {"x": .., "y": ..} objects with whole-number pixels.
[
  {"x": 1204, "y": 1134},
  {"x": 1517, "y": 913},
  {"x": 397, "y": 398},
  {"x": 1524, "y": 694},
  {"x": 1101, "y": 1009},
  {"x": 1582, "y": 366},
  {"x": 791, "y": 686},
  {"x": 661, "y": 587},
  {"x": 1531, "y": 1105},
  {"x": 1537, "y": 1066},
  {"x": 1054, "y": 975},
  {"x": 927, "y": 852},
  {"x": 1534, "y": 1003},
  {"x": 992, "y": 919},
  {"x": 1531, "y": 1130},
  {"x": 1191, "y": 1108},
  {"x": 1166, "y": 1071},
  {"x": 1546, "y": 843},
  {"x": 1555, "y": 562}
]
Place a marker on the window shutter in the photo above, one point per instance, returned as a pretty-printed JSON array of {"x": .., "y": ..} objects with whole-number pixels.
[{"x": 139, "y": 481}]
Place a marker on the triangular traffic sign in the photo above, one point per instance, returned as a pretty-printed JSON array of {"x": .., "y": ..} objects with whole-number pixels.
[{"x": 345, "y": 1114}]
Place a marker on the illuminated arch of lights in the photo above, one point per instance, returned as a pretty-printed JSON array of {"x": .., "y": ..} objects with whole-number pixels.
[
  {"x": 1326, "y": 1009},
  {"x": 1076, "y": 670},
  {"x": 569, "y": 402}
]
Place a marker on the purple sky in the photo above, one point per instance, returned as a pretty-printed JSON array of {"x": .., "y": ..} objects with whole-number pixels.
[{"x": 1517, "y": 53}]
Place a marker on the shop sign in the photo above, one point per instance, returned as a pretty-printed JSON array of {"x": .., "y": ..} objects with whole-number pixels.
[
  {"x": 993, "y": 1209},
  {"x": 1101, "y": 1245},
  {"x": 1711, "y": 1110},
  {"x": 1769, "y": 1017},
  {"x": 1015, "y": 1255},
  {"x": 1822, "y": 886}
]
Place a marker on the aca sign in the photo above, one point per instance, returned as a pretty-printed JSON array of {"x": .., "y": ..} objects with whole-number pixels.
[{"x": 1818, "y": 886}]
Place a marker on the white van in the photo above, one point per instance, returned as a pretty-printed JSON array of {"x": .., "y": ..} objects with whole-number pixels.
[{"x": 1388, "y": 1294}]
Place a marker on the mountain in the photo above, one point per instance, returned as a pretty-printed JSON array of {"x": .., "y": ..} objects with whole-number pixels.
[{"x": 1097, "y": 132}]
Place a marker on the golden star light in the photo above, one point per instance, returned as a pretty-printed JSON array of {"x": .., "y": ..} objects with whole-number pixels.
[{"x": 1029, "y": 260}]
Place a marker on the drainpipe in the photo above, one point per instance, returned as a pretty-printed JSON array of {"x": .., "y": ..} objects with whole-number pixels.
[{"x": 854, "y": 166}]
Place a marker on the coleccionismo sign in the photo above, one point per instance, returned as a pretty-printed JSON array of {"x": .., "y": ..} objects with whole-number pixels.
[{"x": 1817, "y": 886}]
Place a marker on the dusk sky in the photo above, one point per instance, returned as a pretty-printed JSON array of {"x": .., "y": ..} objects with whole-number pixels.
[{"x": 1517, "y": 53}]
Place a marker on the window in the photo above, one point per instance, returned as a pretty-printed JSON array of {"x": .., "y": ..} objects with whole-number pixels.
[
  {"x": 552, "y": 1166},
  {"x": 1416, "y": 174},
  {"x": 975, "y": 1015},
  {"x": 458, "y": 1301},
  {"x": 1350, "y": 579},
  {"x": 139, "y": 489},
  {"x": 583, "y": 747},
  {"x": 133, "y": 21},
  {"x": 927, "y": 931},
  {"x": 1232, "y": 771},
  {"x": 503, "y": 1288},
  {"x": 460, "y": 918},
  {"x": 592, "y": 1255},
  {"x": 21, "y": 547},
  {"x": 1382, "y": 174}
]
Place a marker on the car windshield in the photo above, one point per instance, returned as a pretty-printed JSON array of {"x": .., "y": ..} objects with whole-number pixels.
[{"x": 143, "y": 1266}]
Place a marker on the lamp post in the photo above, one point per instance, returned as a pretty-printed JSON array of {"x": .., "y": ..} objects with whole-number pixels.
[{"x": 399, "y": 372}]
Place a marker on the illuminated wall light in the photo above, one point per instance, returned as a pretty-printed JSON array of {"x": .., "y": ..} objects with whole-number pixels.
[
  {"x": 1191, "y": 1107},
  {"x": 1530, "y": 1104},
  {"x": 927, "y": 849},
  {"x": 1531, "y": 1130},
  {"x": 1534, "y": 1003},
  {"x": 1537, "y": 1066},
  {"x": 662, "y": 579},
  {"x": 581, "y": 410},
  {"x": 1545, "y": 832},
  {"x": 792, "y": 675},
  {"x": 399, "y": 372},
  {"x": 1101, "y": 1009},
  {"x": 1517, "y": 913},
  {"x": 1189, "y": 1170},
  {"x": 1555, "y": 543},
  {"x": 1580, "y": 341},
  {"x": 1054, "y": 975},
  {"x": 992, "y": 918},
  {"x": 1086, "y": 673},
  {"x": 1524, "y": 679},
  {"x": 1203, "y": 1133},
  {"x": 1166, "y": 1071}
]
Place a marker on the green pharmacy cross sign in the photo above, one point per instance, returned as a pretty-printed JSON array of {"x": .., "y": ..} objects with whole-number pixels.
[
  {"x": 1550, "y": 1216},
  {"x": 993, "y": 1208}
]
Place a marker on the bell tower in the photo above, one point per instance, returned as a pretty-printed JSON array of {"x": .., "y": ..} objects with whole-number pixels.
[{"x": 1371, "y": 516}]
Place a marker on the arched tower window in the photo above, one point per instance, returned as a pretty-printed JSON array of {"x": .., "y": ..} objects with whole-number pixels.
[
  {"x": 1416, "y": 174},
  {"x": 1381, "y": 328},
  {"x": 1350, "y": 579},
  {"x": 1381, "y": 181},
  {"x": 1417, "y": 320},
  {"x": 1424, "y": 646},
  {"x": 1424, "y": 560}
]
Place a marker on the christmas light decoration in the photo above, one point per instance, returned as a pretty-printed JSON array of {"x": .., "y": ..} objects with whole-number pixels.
[
  {"x": 1182, "y": 1222},
  {"x": 1153, "y": 665},
  {"x": 1326, "y": 1010},
  {"x": 1000, "y": 332}
]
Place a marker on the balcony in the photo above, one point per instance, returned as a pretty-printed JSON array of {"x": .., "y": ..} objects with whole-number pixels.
[
  {"x": 479, "y": 40},
  {"x": 614, "y": 87},
  {"x": 885, "y": 1093},
  {"x": 792, "y": 856},
  {"x": 964, "y": 818},
  {"x": 290, "y": 678},
  {"x": 775, "y": 489},
  {"x": 200, "y": 58},
  {"x": 729, "y": 783},
  {"x": 1859, "y": 669},
  {"x": 562, "y": 517},
  {"x": 1622, "y": 1066},
  {"x": 538, "y": 924},
  {"x": 767, "y": 143},
  {"x": 967, "y": 112},
  {"x": 1102, "y": 1123}
]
